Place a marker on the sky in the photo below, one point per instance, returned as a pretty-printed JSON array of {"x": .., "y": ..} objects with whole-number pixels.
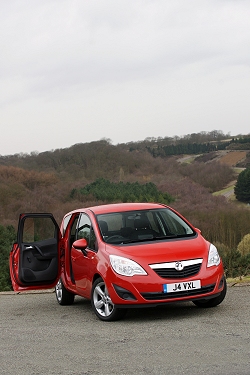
[{"x": 77, "y": 71}]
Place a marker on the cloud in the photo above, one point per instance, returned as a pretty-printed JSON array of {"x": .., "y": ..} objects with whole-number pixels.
[{"x": 125, "y": 64}]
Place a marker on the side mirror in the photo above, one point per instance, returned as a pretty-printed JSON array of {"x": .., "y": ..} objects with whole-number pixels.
[
  {"x": 80, "y": 244},
  {"x": 198, "y": 230}
]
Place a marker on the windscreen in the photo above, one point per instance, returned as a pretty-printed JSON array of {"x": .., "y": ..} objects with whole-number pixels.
[{"x": 135, "y": 226}]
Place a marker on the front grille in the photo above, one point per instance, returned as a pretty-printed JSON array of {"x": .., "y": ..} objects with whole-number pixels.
[
  {"x": 185, "y": 293},
  {"x": 172, "y": 273}
]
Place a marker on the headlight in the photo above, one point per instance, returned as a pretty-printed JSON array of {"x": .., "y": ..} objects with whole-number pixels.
[
  {"x": 213, "y": 256},
  {"x": 125, "y": 266}
]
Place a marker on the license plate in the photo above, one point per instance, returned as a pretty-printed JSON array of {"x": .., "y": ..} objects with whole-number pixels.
[{"x": 180, "y": 287}]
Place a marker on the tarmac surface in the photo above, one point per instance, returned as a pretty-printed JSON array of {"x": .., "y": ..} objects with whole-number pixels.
[{"x": 38, "y": 336}]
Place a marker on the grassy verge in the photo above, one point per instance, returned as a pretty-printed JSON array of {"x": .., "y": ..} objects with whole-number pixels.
[
  {"x": 238, "y": 280},
  {"x": 227, "y": 191}
]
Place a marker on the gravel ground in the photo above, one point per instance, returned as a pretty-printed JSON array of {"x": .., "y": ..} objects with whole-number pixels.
[{"x": 38, "y": 336}]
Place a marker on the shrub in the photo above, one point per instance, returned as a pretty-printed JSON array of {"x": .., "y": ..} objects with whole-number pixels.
[
  {"x": 7, "y": 237},
  {"x": 244, "y": 245},
  {"x": 106, "y": 191},
  {"x": 235, "y": 263},
  {"x": 242, "y": 187}
]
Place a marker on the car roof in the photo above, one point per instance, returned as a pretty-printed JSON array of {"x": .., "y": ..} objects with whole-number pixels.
[{"x": 120, "y": 207}]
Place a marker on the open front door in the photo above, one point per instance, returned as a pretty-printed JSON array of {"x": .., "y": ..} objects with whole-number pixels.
[{"x": 35, "y": 257}]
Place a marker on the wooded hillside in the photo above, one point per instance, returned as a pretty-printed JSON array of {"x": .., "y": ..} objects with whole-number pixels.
[{"x": 44, "y": 182}]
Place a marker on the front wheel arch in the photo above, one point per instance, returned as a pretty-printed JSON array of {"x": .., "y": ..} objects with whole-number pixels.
[
  {"x": 63, "y": 296},
  {"x": 102, "y": 304},
  {"x": 213, "y": 301}
]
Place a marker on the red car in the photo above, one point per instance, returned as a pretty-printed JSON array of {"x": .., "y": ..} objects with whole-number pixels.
[{"x": 119, "y": 256}]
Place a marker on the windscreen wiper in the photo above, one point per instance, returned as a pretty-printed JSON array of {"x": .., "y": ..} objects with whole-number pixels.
[
  {"x": 151, "y": 238},
  {"x": 172, "y": 235}
]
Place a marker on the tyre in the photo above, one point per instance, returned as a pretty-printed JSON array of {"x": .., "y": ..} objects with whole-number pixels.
[
  {"x": 63, "y": 296},
  {"x": 213, "y": 301},
  {"x": 102, "y": 304}
]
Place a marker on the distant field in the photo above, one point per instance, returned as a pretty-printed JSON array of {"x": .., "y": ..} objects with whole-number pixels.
[
  {"x": 230, "y": 158},
  {"x": 233, "y": 157}
]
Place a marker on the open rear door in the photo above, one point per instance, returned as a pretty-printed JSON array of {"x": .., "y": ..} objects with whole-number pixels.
[{"x": 35, "y": 257}]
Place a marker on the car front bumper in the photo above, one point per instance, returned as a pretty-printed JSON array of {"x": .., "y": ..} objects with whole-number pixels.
[{"x": 149, "y": 290}]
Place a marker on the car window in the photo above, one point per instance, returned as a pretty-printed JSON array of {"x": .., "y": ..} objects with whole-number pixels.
[
  {"x": 72, "y": 229},
  {"x": 174, "y": 224},
  {"x": 38, "y": 229},
  {"x": 85, "y": 230},
  {"x": 65, "y": 223}
]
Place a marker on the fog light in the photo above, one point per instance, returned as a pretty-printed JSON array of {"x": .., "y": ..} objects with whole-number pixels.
[{"x": 124, "y": 293}]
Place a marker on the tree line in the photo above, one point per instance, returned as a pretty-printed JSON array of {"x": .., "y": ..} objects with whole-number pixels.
[{"x": 186, "y": 148}]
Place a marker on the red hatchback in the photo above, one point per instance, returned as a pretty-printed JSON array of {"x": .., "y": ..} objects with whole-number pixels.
[{"x": 119, "y": 256}]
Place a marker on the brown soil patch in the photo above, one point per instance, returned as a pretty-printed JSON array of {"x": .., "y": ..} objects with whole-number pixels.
[{"x": 233, "y": 157}]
